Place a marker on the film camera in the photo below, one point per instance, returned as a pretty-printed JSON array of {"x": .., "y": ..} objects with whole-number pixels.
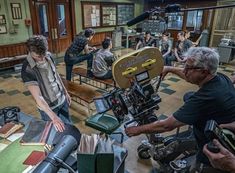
[
  {"x": 136, "y": 97},
  {"x": 135, "y": 94},
  {"x": 225, "y": 137}
]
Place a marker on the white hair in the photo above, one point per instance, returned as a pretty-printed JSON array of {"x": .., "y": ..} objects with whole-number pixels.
[{"x": 205, "y": 57}]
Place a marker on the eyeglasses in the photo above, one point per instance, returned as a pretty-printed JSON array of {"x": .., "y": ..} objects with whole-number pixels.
[{"x": 187, "y": 67}]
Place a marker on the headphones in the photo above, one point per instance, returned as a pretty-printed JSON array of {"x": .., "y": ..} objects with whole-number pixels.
[{"x": 9, "y": 114}]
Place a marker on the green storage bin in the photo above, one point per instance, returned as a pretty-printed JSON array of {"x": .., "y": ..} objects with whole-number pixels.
[
  {"x": 86, "y": 163},
  {"x": 95, "y": 163},
  {"x": 100, "y": 163}
]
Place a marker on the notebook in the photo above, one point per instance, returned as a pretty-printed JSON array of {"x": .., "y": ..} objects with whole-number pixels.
[{"x": 37, "y": 133}]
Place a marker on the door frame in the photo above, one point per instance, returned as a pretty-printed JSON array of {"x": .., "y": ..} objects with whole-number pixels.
[{"x": 34, "y": 18}]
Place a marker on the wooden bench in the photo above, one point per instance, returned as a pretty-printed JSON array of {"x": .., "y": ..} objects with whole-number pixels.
[
  {"x": 81, "y": 72},
  {"x": 80, "y": 93},
  {"x": 8, "y": 62}
]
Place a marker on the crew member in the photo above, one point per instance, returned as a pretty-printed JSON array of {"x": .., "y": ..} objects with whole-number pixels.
[
  {"x": 224, "y": 160},
  {"x": 214, "y": 99}
]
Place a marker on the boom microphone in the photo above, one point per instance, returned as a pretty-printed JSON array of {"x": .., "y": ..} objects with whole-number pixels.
[{"x": 139, "y": 18}]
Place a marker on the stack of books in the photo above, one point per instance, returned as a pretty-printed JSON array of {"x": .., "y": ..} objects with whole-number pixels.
[{"x": 9, "y": 128}]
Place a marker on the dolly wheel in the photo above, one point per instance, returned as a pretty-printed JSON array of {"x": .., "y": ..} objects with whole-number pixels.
[{"x": 143, "y": 152}]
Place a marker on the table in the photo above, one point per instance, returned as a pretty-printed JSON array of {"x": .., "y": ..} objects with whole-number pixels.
[
  {"x": 226, "y": 53},
  {"x": 129, "y": 35}
]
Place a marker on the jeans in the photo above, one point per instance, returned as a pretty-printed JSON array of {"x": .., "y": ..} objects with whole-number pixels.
[
  {"x": 70, "y": 61},
  {"x": 61, "y": 111},
  {"x": 168, "y": 60}
]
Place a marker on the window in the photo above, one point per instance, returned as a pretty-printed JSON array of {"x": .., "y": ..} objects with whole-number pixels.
[
  {"x": 43, "y": 21},
  {"x": 61, "y": 20},
  {"x": 194, "y": 19},
  {"x": 175, "y": 20}
]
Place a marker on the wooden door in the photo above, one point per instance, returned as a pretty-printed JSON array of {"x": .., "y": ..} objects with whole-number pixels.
[{"x": 53, "y": 19}]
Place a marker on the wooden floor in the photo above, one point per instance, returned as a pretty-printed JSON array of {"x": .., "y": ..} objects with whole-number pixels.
[{"x": 171, "y": 91}]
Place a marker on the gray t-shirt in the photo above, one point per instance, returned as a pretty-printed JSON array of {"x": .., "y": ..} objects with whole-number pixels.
[
  {"x": 99, "y": 65},
  {"x": 164, "y": 46},
  {"x": 54, "y": 83}
]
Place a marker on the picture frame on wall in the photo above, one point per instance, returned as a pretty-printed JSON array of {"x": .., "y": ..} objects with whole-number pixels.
[
  {"x": 2, "y": 19},
  {"x": 3, "y": 29},
  {"x": 125, "y": 13},
  {"x": 16, "y": 11},
  {"x": 91, "y": 15}
]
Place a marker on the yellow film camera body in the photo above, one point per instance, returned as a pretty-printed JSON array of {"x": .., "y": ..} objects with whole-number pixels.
[{"x": 141, "y": 65}]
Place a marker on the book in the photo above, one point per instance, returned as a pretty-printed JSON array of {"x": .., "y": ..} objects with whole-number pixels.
[
  {"x": 15, "y": 136},
  {"x": 9, "y": 128},
  {"x": 37, "y": 133},
  {"x": 34, "y": 158}
]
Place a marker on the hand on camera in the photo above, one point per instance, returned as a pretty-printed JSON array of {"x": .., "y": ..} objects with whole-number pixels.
[
  {"x": 132, "y": 131},
  {"x": 230, "y": 126},
  {"x": 223, "y": 160}
]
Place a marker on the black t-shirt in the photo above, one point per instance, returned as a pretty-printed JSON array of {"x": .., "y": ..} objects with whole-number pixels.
[
  {"x": 78, "y": 45},
  {"x": 149, "y": 42},
  {"x": 214, "y": 100}
]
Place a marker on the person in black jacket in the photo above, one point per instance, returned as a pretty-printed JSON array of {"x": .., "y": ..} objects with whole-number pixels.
[{"x": 80, "y": 51}]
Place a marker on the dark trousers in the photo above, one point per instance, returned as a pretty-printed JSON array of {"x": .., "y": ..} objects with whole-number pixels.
[
  {"x": 71, "y": 60},
  {"x": 169, "y": 59},
  {"x": 61, "y": 111}
]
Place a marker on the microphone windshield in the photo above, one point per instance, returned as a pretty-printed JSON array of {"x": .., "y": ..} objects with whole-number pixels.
[{"x": 138, "y": 19}]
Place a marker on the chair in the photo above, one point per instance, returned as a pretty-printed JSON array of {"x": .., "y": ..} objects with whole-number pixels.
[{"x": 105, "y": 123}]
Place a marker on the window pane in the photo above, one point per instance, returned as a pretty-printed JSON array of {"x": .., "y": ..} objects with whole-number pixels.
[
  {"x": 43, "y": 23},
  {"x": 194, "y": 19},
  {"x": 61, "y": 20},
  {"x": 175, "y": 20}
]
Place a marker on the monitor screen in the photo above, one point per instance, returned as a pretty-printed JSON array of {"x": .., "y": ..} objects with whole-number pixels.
[
  {"x": 142, "y": 76},
  {"x": 101, "y": 105}
]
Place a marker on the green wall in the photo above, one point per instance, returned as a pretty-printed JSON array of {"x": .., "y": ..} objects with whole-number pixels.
[
  {"x": 15, "y": 33},
  {"x": 139, "y": 6},
  {"x": 23, "y": 32}
]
